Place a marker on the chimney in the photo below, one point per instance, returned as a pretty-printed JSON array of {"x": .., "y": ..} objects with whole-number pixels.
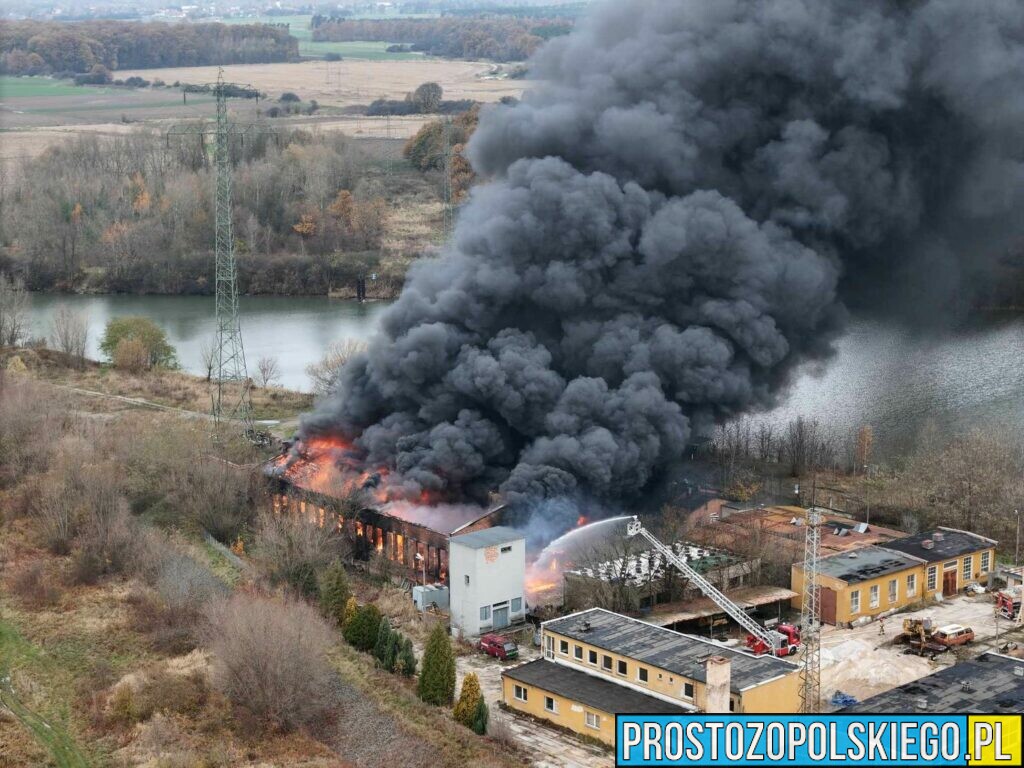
[
  {"x": 938, "y": 536},
  {"x": 718, "y": 674}
]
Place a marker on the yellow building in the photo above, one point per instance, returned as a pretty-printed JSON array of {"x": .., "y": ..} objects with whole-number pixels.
[
  {"x": 598, "y": 664},
  {"x": 873, "y": 580}
]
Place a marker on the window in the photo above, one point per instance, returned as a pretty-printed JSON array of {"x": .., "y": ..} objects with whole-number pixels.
[
  {"x": 968, "y": 567},
  {"x": 688, "y": 690},
  {"x": 894, "y": 589},
  {"x": 933, "y": 577},
  {"x": 563, "y": 647},
  {"x": 641, "y": 674},
  {"x": 911, "y": 585},
  {"x": 506, "y": 549},
  {"x": 592, "y": 657},
  {"x": 874, "y": 596},
  {"x": 732, "y": 704},
  {"x": 517, "y": 605},
  {"x": 549, "y": 705},
  {"x": 985, "y": 561},
  {"x": 520, "y": 693},
  {"x": 593, "y": 721},
  {"x": 622, "y": 670},
  {"x": 485, "y": 613},
  {"x": 467, "y": 579},
  {"x": 577, "y": 652},
  {"x": 855, "y": 601},
  {"x": 606, "y": 663}
]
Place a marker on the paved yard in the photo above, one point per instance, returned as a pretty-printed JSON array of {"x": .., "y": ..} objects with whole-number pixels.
[
  {"x": 549, "y": 748},
  {"x": 863, "y": 662}
]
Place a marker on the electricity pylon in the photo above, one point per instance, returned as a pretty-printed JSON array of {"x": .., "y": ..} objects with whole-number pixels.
[
  {"x": 229, "y": 360},
  {"x": 810, "y": 617}
]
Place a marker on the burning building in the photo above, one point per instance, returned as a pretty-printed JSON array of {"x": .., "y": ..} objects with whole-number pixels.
[{"x": 323, "y": 481}]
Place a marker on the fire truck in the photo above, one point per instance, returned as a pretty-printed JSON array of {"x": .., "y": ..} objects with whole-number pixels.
[
  {"x": 1008, "y": 603},
  {"x": 781, "y": 640}
]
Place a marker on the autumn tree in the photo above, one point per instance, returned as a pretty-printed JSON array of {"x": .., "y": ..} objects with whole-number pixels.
[{"x": 146, "y": 334}]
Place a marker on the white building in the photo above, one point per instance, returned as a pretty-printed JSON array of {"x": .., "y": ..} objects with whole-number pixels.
[{"x": 487, "y": 576}]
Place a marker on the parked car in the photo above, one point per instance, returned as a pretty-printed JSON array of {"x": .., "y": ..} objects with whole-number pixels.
[
  {"x": 953, "y": 634},
  {"x": 499, "y": 647}
]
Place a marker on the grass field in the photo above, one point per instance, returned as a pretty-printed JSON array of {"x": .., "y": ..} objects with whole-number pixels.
[
  {"x": 300, "y": 30},
  {"x": 26, "y": 87}
]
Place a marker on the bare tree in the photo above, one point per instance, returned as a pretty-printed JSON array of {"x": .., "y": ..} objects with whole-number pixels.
[
  {"x": 270, "y": 658},
  {"x": 293, "y": 549},
  {"x": 71, "y": 332},
  {"x": 268, "y": 371},
  {"x": 208, "y": 356},
  {"x": 323, "y": 373},
  {"x": 14, "y": 306}
]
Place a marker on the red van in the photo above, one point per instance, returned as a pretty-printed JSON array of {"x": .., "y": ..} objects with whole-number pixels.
[{"x": 499, "y": 647}]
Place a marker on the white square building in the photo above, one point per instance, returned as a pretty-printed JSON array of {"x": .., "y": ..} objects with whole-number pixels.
[{"x": 487, "y": 578}]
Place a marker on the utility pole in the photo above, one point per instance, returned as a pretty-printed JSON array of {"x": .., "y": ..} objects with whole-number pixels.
[
  {"x": 449, "y": 222},
  {"x": 229, "y": 363},
  {"x": 1016, "y": 547},
  {"x": 810, "y": 617}
]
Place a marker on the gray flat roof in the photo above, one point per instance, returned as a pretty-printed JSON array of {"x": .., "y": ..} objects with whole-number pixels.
[
  {"x": 589, "y": 690},
  {"x": 988, "y": 684},
  {"x": 488, "y": 537},
  {"x": 865, "y": 563},
  {"x": 950, "y": 543},
  {"x": 683, "y": 654}
]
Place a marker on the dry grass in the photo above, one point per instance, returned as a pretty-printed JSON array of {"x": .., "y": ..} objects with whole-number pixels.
[
  {"x": 361, "y": 81},
  {"x": 173, "y": 389}
]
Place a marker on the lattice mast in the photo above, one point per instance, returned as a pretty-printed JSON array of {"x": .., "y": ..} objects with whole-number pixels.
[
  {"x": 810, "y": 617},
  {"x": 229, "y": 365}
]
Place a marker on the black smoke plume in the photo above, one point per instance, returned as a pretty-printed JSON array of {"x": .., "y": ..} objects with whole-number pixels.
[{"x": 677, "y": 217}]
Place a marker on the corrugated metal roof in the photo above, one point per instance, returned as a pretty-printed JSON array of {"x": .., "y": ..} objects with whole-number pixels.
[{"x": 675, "y": 652}]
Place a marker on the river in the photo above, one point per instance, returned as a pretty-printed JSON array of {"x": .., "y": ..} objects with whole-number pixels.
[
  {"x": 892, "y": 379},
  {"x": 294, "y": 330}
]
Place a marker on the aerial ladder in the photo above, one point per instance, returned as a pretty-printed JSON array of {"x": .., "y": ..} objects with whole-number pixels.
[{"x": 783, "y": 640}]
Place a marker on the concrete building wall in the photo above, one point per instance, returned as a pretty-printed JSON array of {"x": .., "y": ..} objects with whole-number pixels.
[
  {"x": 781, "y": 695},
  {"x": 484, "y": 581}
]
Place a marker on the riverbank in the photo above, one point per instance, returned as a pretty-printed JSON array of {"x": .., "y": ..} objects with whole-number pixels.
[{"x": 167, "y": 389}]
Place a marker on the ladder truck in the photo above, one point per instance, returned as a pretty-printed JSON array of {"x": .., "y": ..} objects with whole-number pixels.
[{"x": 782, "y": 640}]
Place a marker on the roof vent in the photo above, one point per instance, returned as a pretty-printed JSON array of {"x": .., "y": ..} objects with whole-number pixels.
[
  {"x": 965, "y": 686},
  {"x": 1018, "y": 671},
  {"x": 853, "y": 555},
  {"x": 863, "y": 528},
  {"x": 586, "y": 626},
  {"x": 922, "y": 703},
  {"x": 928, "y": 544},
  {"x": 938, "y": 536}
]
